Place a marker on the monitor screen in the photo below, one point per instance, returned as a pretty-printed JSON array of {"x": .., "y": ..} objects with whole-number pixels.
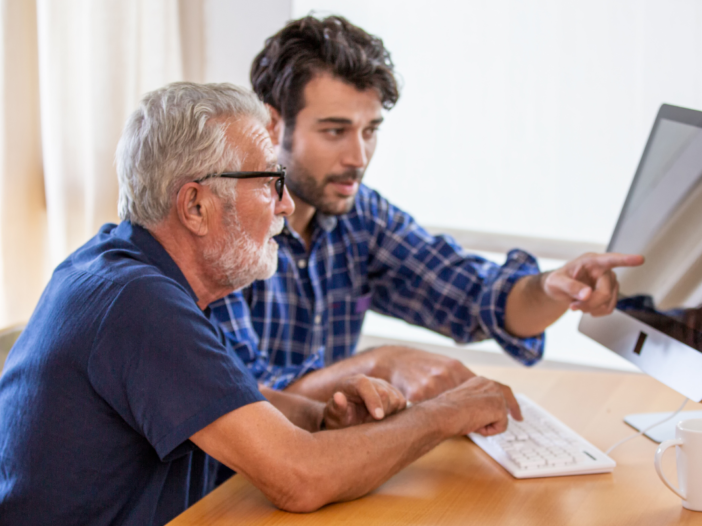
[{"x": 662, "y": 220}]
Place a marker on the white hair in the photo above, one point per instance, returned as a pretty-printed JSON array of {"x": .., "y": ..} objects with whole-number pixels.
[{"x": 168, "y": 141}]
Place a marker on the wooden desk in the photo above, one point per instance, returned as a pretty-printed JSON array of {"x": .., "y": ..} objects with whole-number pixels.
[{"x": 457, "y": 483}]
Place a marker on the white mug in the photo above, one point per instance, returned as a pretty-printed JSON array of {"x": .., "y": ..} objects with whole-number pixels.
[{"x": 688, "y": 439}]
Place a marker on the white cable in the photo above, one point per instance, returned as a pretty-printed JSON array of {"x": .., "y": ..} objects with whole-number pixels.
[{"x": 645, "y": 430}]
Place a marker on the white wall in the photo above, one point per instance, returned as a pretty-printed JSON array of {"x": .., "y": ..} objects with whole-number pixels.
[
  {"x": 234, "y": 34},
  {"x": 525, "y": 117}
]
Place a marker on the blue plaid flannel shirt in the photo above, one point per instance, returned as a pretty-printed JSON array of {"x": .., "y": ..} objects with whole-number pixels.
[{"x": 310, "y": 313}]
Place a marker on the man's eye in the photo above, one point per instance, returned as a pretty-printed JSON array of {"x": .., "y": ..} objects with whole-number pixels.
[
  {"x": 334, "y": 132},
  {"x": 372, "y": 131}
]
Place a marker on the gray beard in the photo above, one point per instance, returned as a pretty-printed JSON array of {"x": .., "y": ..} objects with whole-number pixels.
[{"x": 237, "y": 261}]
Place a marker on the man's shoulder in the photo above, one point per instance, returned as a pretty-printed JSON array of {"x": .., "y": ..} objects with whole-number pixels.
[
  {"x": 111, "y": 257},
  {"x": 119, "y": 255},
  {"x": 102, "y": 283},
  {"x": 108, "y": 273},
  {"x": 369, "y": 206},
  {"x": 368, "y": 198},
  {"x": 373, "y": 211}
]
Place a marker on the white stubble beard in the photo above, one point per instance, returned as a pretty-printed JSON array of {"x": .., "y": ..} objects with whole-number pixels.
[{"x": 238, "y": 261}]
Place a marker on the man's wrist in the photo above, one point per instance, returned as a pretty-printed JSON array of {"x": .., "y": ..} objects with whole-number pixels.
[
  {"x": 543, "y": 276},
  {"x": 316, "y": 416},
  {"x": 545, "y": 289},
  {"x": 535, "y": 286},
  {"x": 439, "y": 416}
]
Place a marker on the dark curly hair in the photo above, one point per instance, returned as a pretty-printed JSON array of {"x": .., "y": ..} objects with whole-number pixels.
[{"x": 310, "y": 46}]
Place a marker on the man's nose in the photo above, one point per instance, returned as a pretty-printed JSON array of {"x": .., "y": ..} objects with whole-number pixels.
[
  {"x": 285, "y": 206},
  {"x": 356, "y": 155}
]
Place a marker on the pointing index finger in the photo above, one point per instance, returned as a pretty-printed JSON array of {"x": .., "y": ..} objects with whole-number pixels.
[{"x": 612, "y": 260}]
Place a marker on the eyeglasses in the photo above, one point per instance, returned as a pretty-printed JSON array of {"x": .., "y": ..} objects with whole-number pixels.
[{"x": 279, "y": 173}]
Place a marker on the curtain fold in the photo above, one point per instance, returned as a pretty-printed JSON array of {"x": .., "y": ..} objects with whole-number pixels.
[
  {"x": 23, "y": 264},
  {"x": 95, "y": 60},
  {"x": 72, "y": 71}
]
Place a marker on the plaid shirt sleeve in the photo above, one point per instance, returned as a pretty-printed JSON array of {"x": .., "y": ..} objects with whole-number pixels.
[{"x": 432, "y": 282}]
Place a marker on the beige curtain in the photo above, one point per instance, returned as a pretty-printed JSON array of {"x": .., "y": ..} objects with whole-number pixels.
[
  {"x": 72, "y": 72},
  {"x": 22, "y": 205}
]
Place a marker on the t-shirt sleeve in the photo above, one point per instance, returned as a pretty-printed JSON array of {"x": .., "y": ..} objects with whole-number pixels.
[{"x": 159, "y": 363}]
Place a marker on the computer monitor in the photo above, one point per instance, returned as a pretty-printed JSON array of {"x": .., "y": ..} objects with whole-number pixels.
[{"x": 657, "y": 324}]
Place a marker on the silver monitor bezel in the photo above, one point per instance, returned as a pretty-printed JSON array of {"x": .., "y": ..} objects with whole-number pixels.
[{"x": 664, "y": 358}]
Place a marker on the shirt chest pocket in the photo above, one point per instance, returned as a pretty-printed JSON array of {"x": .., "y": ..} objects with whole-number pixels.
[{"x": 346, "y": 308}]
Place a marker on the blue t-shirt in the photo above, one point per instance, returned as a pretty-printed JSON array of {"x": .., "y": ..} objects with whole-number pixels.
[{"x": 116, "y": 369}]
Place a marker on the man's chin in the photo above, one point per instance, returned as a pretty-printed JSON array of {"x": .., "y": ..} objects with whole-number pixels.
[
  {"x": 337, "y": 207},
  {"x": 270, "y": 263}
]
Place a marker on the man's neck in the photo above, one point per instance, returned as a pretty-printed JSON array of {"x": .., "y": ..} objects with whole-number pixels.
[
  {"x": 301, "y": 220},
  {"x": 185, "y": 255}
]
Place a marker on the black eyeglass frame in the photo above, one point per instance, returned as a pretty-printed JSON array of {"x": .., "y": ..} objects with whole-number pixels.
[{"x": 279, "y": 184}]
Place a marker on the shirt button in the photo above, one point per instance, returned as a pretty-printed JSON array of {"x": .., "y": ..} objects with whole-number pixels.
[
  {"x": 318, "y": 319},
  {"x": 302, "y": 263}
]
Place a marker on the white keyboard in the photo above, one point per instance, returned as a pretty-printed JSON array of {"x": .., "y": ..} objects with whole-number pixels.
[{"x": 542, "y": 446}]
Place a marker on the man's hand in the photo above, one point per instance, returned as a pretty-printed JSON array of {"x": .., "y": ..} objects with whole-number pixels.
[
  {"x": 419, "y": 375},
  {"x": 360, "y": 399},
  {"x": 588, "y": 283},
  {"x": 478, "y": 405}
]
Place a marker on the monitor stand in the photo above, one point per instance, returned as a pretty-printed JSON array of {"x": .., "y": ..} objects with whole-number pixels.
[{"x": 666, "y": 430}]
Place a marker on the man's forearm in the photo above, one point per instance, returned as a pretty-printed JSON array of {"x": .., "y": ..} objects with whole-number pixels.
[
  {"x": 376, "y": 453},
  {"x": 300, "y": 471},
  {"x": 418, "y": 374},
  {"x": 529, "y": 309}
]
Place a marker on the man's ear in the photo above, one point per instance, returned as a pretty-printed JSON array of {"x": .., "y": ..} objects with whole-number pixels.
[
  {"x": 276, "y": 128},
  {"x": 195, "y": 208}
]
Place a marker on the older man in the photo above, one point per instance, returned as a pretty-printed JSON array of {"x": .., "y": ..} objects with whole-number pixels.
[{"x": 120, "y": 392}]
